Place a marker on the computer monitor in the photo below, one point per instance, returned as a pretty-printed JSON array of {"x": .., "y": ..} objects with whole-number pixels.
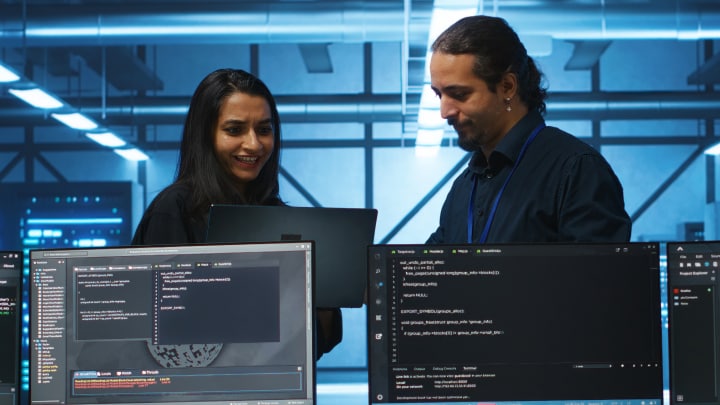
[
  {"x": 188, "y": 325},
  {"x": 11, "y": 267},
  {"x": 694, "y": 322},
  {"x": 521, "y": 324}
]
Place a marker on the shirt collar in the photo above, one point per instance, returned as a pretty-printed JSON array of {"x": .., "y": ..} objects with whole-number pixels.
[{"x": 509, "y": 146}]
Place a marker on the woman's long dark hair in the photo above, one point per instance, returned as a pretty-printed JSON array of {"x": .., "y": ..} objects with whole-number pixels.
[
  {"x": 497, "y": 50},
  {"x": 199, "y": 169}
]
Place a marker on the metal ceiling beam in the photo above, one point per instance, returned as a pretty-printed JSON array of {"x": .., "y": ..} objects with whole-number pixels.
[
  {"x": 57, "y": 61},
  {"x": 707, "y": 74},
  {"x": 316, "y": 58},
  {"x": 384, "y": 108},
  {"x": 122, "y": 68},
  {"x": 586, "y": 54}
]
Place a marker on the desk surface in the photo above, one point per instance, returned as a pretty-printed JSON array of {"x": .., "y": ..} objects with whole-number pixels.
[{"x": 342, "y": 387}]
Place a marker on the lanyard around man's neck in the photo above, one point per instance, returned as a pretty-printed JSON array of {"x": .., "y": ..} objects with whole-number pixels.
[{"x": 491, "y": 216}]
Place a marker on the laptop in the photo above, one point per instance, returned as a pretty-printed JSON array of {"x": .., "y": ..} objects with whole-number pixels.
[
  {"x": 11, "y": 268},
  {"x": 515, "y": 324},
  {"x": 188, "y": 325},
  {"x": 694, "y": 322},
  {"x": 342, "y": 236}
]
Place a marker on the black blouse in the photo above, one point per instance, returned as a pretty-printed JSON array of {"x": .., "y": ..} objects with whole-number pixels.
[{"x": 165, "y": 222}]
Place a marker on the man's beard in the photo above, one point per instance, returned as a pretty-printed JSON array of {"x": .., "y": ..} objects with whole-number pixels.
[{"x": 465, "y": 140}]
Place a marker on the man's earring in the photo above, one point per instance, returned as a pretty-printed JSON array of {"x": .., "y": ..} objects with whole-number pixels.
[{"x": 508, "y": 108}]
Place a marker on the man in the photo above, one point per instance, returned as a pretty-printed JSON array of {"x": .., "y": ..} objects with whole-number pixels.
[{"x": 526, "y": 182}]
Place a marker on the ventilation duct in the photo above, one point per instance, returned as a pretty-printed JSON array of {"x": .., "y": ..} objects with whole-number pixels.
[
  {"x": 140, "y": 24},
  {"x": 327, "y": 22},
  {"x": 561, "y": 106}
]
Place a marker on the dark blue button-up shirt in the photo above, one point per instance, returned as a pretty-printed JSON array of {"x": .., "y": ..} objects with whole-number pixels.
[{"x": 562, "y": 190}]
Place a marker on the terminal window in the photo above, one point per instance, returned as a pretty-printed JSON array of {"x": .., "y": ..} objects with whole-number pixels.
[
  {"x": 515, "y": 323},
  {"x": 201, "y": 324}
]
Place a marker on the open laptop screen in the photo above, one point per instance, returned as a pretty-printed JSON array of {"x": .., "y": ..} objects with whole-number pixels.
[
  {"x": 341, "y": 237},
  {"x": 694, "y": 322},
  {"x": 195, "y": 324},
  {"x": 11, "y": 264},
  {"x": 565, "y": 324}
]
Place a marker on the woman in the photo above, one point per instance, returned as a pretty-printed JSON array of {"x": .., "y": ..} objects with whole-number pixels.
[{"x": 229, "y": 154}]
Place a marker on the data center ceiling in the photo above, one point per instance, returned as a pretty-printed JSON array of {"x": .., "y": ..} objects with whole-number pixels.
[{"x": 44, "y": 39}]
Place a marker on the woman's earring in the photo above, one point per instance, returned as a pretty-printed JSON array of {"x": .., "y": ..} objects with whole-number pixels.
[{"x": 508, "y": 108}]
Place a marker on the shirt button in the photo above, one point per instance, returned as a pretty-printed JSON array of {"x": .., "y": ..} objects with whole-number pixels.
[
  {"x": 480, "y": 213},
  {"x": 488, "y": 175}
]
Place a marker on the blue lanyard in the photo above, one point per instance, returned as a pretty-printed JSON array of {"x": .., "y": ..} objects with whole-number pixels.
[{"x": 491, "y": 216}]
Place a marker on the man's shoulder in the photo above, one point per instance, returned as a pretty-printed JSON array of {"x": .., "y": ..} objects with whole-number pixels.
[{"x": 565, "y": 143}]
